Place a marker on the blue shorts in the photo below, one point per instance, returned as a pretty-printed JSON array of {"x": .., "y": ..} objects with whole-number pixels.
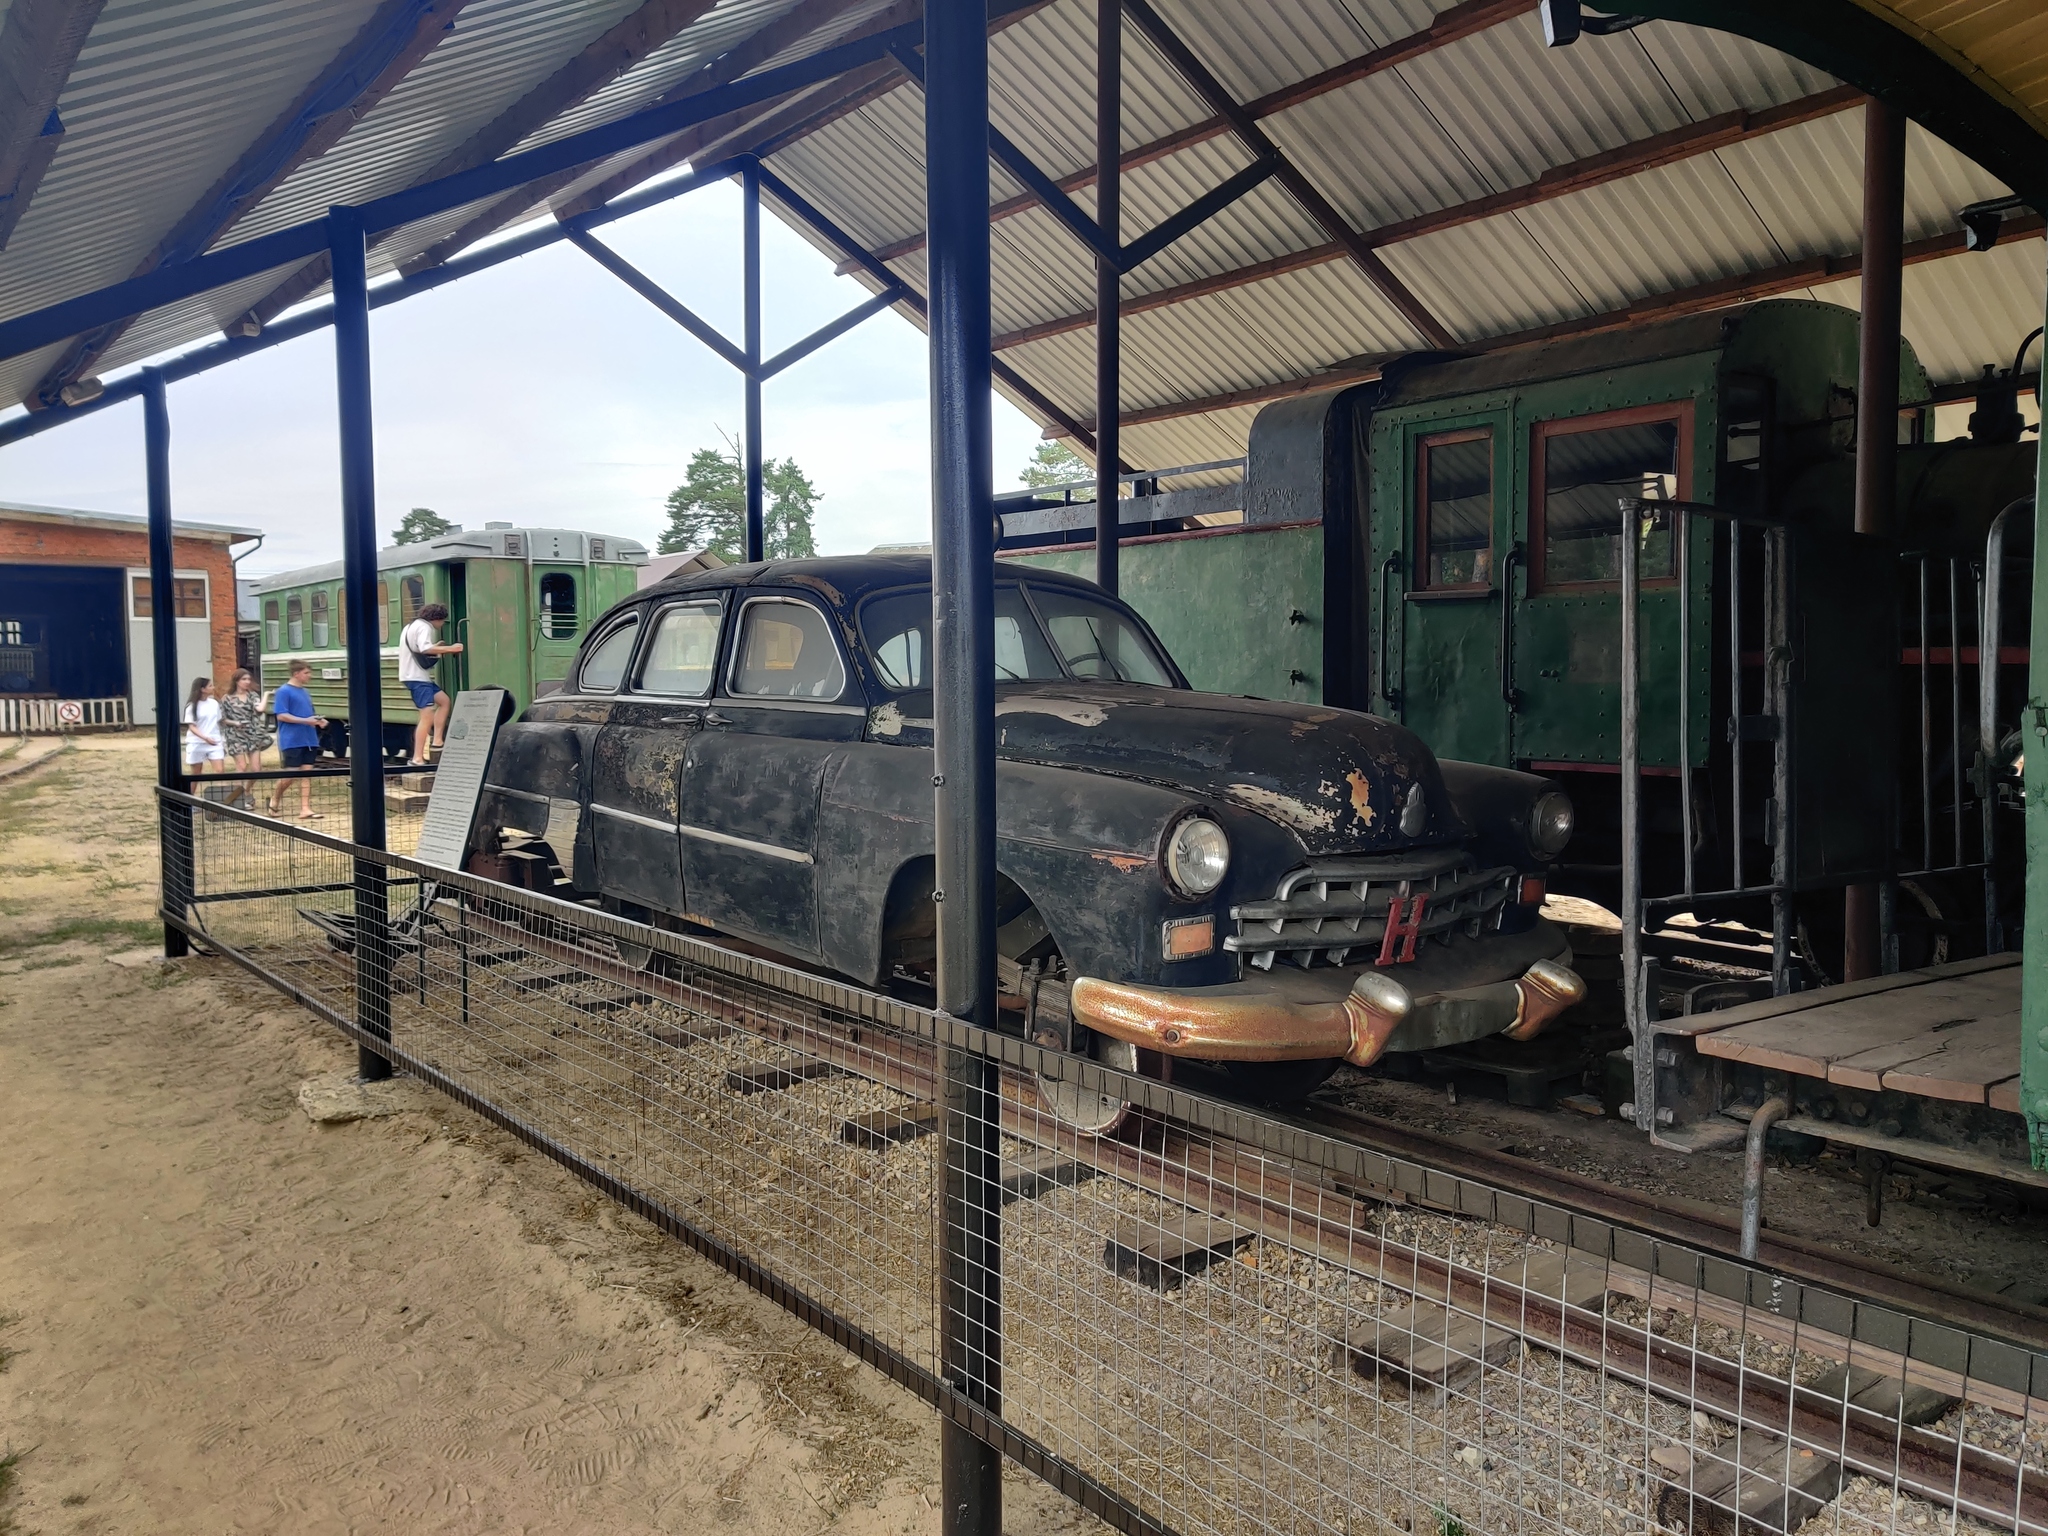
[{"x": 423, "y": 694}]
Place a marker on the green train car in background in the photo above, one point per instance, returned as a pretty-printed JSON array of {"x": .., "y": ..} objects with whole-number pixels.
[
  {"x": 519, "y": 600},
  {"x": 1442, "y": 545}
]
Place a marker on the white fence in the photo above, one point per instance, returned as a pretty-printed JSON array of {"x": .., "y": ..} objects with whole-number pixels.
[{"x": 49, "y": 717}]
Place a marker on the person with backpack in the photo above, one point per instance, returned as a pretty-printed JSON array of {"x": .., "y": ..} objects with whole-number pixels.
[{"x": 419, "y": 651}]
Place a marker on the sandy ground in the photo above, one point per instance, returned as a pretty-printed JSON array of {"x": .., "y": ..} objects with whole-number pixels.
[{"x": 217, "y": 1316}]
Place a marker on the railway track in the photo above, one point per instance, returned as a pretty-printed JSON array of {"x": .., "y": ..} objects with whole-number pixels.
[{"x": 1221, "y": 1194}]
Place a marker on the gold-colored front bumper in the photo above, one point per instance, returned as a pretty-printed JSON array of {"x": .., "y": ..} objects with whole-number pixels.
[{"x": 1357, "y": 1013}]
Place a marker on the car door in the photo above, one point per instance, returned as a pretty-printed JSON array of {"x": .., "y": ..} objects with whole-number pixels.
[
  {"x": 632, "y": 830},
  {"x": 752, "y": 776}
]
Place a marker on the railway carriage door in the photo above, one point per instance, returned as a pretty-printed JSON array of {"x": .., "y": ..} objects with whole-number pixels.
[
  {"x": 1567, "y": 634},
  {"x": 752, "y": 777},
  {"x": 1462, "y": 571},
  {"x": 558, "y": 603}
]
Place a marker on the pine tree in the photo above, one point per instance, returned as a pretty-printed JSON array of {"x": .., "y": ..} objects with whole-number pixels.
[
  {"x": 420, "y": 525},
  {"x": 709, "y": 509},
  {"x": 1054, "y": 463}
]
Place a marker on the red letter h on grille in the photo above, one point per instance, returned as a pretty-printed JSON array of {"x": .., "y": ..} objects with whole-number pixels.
[{"x": 1404, "y": 927}]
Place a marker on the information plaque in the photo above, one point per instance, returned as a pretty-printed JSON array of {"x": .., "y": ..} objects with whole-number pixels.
[{"x": 459, "y": 778}]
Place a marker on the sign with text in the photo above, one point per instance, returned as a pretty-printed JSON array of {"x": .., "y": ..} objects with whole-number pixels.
[{"x": 459, "y": 777}]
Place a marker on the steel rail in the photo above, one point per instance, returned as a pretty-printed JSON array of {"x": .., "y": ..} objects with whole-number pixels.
[
  {"x": 1696, "y": 1225},
  {"x": 1311, "y": 1213}
]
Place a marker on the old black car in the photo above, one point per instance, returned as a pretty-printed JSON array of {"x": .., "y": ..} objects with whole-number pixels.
[{"x": 1270, "y": 888}]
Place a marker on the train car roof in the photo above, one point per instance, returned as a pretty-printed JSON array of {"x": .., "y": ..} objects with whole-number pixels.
[
  {"x": 462, "y": 544},
  {"x": 1429, "y": 376}
]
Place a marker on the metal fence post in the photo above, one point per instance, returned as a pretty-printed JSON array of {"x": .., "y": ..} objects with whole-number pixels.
[
  {"x": 174, "y": 822},
  {"x": 963, "y": 627},
  {"x": 1109, "y": 65},
  {"x": 750, "y": 223},
  {"x": 365, "y": 653}
]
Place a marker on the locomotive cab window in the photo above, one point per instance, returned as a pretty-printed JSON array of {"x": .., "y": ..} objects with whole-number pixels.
[
  {"x": 558, "y": 606},
  {"x": 786, "y": 652},
  {"x": 1584, "y": 466},
  {"x": 684, "y": 651},
  {"x": 1454, "y": 511},
  {"x": 606, "y": 663}
]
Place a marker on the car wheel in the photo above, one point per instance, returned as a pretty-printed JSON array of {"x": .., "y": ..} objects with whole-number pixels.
[{"x": 1085, "y": 1109}]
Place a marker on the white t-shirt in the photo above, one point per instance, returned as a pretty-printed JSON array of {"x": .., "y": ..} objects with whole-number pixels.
[
  {"x": 203, "y": 716},
  {"x": 418, "y": 636}
]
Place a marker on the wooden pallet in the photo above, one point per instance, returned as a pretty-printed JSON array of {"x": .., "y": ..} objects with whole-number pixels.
[
  {"x": 775, "y": 1076},
  {"x": 1948, "y": 1032},
  {"x": 1166, "y": 1254},
  {"x": 880, "y": 1129}
]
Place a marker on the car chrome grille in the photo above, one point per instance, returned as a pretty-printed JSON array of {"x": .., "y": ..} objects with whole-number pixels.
[{"x": 1334, "y": 910}]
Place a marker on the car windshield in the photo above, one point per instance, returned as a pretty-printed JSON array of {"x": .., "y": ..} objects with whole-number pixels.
[{"x": 898, "y": 633}]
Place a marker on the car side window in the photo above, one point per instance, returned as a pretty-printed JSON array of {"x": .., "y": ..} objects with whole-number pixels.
[
  {"x": 683, "y": 652},
  {"x": 786, "y": 652},
  {"x": 606, "y": 663}
]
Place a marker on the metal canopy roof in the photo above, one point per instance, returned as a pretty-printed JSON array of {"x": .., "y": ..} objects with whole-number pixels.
[{"x": 1489, "y": 188}]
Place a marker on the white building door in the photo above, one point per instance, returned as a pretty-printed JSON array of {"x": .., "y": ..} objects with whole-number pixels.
[{"x": 195, "y": 640}]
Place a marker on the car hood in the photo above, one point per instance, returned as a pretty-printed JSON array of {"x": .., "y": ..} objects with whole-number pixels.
[{"x": 1336, "y": 778}]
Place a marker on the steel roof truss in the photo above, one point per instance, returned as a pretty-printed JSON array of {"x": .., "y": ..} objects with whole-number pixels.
[
  {"x": 38, "y": 47},
  {"x": 387, "y": 48}
]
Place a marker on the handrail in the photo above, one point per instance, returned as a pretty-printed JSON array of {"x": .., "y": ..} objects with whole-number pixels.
[
  {"x": 1509, "y": 694},
  {"x": 1387, "y": 568}
]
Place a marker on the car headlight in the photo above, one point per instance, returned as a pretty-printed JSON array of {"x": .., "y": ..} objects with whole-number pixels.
[
  {"x": 1551, "y": 823},
  {"x": 1197, "y": 856}
]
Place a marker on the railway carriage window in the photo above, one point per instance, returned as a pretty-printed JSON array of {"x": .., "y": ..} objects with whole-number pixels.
[
  {"x": 558, "y": 606},
  {"x": 341, "y": 616},
  {"x": 786, "y": 652},
  {"x": 412, "y": 597},
  {"x": 295, "y": 622},
  {"x": 273, "y": 628},
  {"x": 1585, "y": 467},
  {"x": 606, "y": 663},
  {"x": 319, "y": 618},
  {"x": 683, "y": 652},
  {"x": 383, "y": 613},
  {"x": 1454, "y": 511}
]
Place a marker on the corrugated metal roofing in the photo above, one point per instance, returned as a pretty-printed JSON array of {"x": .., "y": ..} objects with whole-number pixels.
[{"x": 168, "y": 93}]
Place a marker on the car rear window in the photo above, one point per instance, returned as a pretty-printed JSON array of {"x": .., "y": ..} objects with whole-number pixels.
[
  {"x": 606, "y": 663},
  {"x": 786, "y": 652}
]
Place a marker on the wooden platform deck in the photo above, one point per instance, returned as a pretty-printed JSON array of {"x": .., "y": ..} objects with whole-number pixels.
[{"x": 1947, "y": 1032}]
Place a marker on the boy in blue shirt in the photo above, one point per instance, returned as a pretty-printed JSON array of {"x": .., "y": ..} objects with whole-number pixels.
[{"x": 298, "y": 736}]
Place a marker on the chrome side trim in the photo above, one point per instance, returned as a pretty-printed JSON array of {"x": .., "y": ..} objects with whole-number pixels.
[
  {"x": 705, "y": 834},
  {"x": 807, "y": 706},
  {"x": 633, "y": 816},
  {"x": 518, "y": 794}
]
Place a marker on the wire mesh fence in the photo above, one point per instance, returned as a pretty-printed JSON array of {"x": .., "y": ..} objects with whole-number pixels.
[{"x": 1211, "y": 1320}]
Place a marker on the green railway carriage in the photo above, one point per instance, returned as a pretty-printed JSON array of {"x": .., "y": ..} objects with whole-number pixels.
[
  {"x": 519, "y": 600},
  {"x": 1443, "y": 545}
]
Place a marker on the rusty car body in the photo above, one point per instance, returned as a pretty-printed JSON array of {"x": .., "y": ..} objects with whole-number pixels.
[{"x": 1234, "y": 881}]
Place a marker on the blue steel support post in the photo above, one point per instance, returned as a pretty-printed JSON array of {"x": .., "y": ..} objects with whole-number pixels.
[
  {"x": 963, "y": 644},
  {"x": 1109, "y": 91},
  {"x": 347, "y": 246},
  {"x": 2034, "y": 962},
  {"x": 174, "y": 823},
  {"x": 750, "y": 185}
]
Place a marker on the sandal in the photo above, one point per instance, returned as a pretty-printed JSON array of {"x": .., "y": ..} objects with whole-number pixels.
[{"x": 312, "y": 816}]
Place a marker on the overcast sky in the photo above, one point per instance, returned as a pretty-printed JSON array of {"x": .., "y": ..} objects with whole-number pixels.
[{"x": 543, "y": 392}]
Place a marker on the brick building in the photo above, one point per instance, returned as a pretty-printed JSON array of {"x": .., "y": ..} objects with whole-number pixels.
[{"x": 75, "y": 605}]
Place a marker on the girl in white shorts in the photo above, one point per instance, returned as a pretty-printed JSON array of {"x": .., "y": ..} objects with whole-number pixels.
[{"x": 204, "y": 751}]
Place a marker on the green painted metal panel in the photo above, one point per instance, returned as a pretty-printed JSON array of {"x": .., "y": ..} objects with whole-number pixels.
[
  {"x": 498, "y": 598},
  {"x": 1444, "y": 653},
  {"x": 1225, "y": 605}
]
